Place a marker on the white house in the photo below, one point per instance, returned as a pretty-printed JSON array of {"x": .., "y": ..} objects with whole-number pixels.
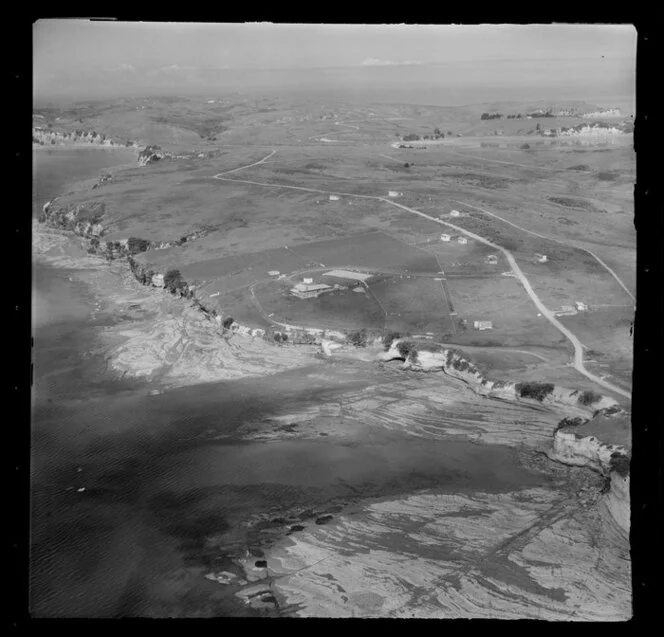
[
  {"x": 445, "y": 237},
  {"x": 581, "y": 307},
  {"x": 273, "y": 272},
  {"x": 542, "y": 258},
  {"x": 394, "y": 193},
  {"x": 483, "y": 325},
  {"x": 304, "y": 291},
  {"x": 334, "y": 198},
  {"x": 157, "y": 280},
  {"x": 307, "y": 280},
  {"x": 454, "y": 213},
  {"x": 462, "y": 240},
  {"x": 492, "y": 259}
]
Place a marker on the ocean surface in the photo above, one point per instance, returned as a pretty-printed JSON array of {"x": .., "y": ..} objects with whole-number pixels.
[{"x": 133, "y": 501}]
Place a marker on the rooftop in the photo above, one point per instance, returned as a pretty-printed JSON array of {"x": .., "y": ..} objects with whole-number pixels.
[
  {"x": 302, "y": 287},
  {"x": 348, "y": 274}
]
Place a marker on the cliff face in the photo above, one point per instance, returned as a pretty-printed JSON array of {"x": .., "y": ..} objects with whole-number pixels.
[
  {"x": 428, "y": 358},
  {"x": 601, "y": 443},
  {"x": 48, "y": 137},
  {"x": 82, "y": 219}
]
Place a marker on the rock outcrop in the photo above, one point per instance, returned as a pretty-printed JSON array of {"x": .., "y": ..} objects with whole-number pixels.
[
  {"x": 602, "y": 443},
  {"x": 81, "y": 219},
  {"x": 429, "y": 357},
  {"x": 48, "y": 137}
]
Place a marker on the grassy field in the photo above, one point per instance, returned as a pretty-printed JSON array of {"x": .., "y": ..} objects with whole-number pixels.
[
  {"x": 414, "y": 304},
  {"x": 341, "y": 309},
  {"x": 373, "y": 250},
  {"x": 578, "y": 195},
  {"x": 504, "y": 302}
]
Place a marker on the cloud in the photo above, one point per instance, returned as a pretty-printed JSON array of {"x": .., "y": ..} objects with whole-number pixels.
[
  {"x": 377, "y": 62},
  {"x": 126, "y": 67},
  {"x": 176, "y": 68}
]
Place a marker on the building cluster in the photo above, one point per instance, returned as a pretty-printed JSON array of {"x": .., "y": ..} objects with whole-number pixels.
[
  {"x": 307, "y": 289},
  {"x": 482, "y": 325}
]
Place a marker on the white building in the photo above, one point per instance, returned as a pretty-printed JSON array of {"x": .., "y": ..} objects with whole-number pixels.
[
  {"x": 492, "y": 259},
  {"x": 157, "y": 280},
  {"x": 542, "y": 258},
  {"x": 445, "y": 237},
  {"x": 273, "y": 272},
  {"x": 462, "y": 240},
  {"x": 394, "y": 193},
  {"x": 454, "y": 213},
  {"x": 304, "y": 291},
  {"x": 483, "y": 325},
  {"x": 307, "y": 280},
  {"x": 581, "y": 307},
  {"x": 334, "y": 198}
]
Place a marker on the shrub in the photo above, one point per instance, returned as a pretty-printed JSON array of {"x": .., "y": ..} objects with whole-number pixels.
[
  {"x": 589, "y": 397},
  {"x": 135, "y": 245},
  {"x": 173, "y": 280},
  {"x": 359, "y": 339},
  {"x": 569, "y": 423},
  {"x": 228, "y": 321},
  {"x": 405, "y": 348},
  {"x": 524, "y": 146},
  {"x": 389, "y": 338},
  {"x": 537, "y": 391},
  {"x": 620, "y": 463}
]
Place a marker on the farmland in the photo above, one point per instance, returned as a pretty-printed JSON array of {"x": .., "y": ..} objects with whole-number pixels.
[{"x": 527, "y": 194}]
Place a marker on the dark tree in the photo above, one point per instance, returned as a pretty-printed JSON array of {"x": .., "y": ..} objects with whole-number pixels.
[
  {"x": 135, "y": 245},
  {"x": 388, "y": 338},
  {"x": 228, "y": 321},
  {"x": 173, "y": 280}
]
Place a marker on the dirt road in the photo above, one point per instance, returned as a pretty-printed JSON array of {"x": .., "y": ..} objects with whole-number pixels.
[{"x": 546, "y": 313}]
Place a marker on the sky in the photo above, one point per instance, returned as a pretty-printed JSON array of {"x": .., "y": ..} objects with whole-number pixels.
[{"x": 83, "y": 59}]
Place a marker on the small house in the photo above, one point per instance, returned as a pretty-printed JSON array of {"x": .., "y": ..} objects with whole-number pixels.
[
  {"x": 483, "y": 325},
  {"x": 492, "y": 259},
  {"x": 580, "y": 307},
  {"x": 157, "y": 280},
  {"x": 273, "y": 272},
  {"x": 462, "y": 240},
  {"x": 394, "y": 193},
  {"x": 455, "y": 213},
  {"x": 307, "y": 280},
  {"x": 445, "y": 237},
  {"x": 334, "y": 198},
  {"x": 542, "y": 258}
]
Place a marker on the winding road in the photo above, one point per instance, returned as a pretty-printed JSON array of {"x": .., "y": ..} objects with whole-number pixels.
[
  {"x": 560, "y": 241},
  {"x": 578, "y": 347}
]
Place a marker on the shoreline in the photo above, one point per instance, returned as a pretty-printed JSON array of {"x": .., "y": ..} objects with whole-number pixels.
[{"x": 162, "y": 317}]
